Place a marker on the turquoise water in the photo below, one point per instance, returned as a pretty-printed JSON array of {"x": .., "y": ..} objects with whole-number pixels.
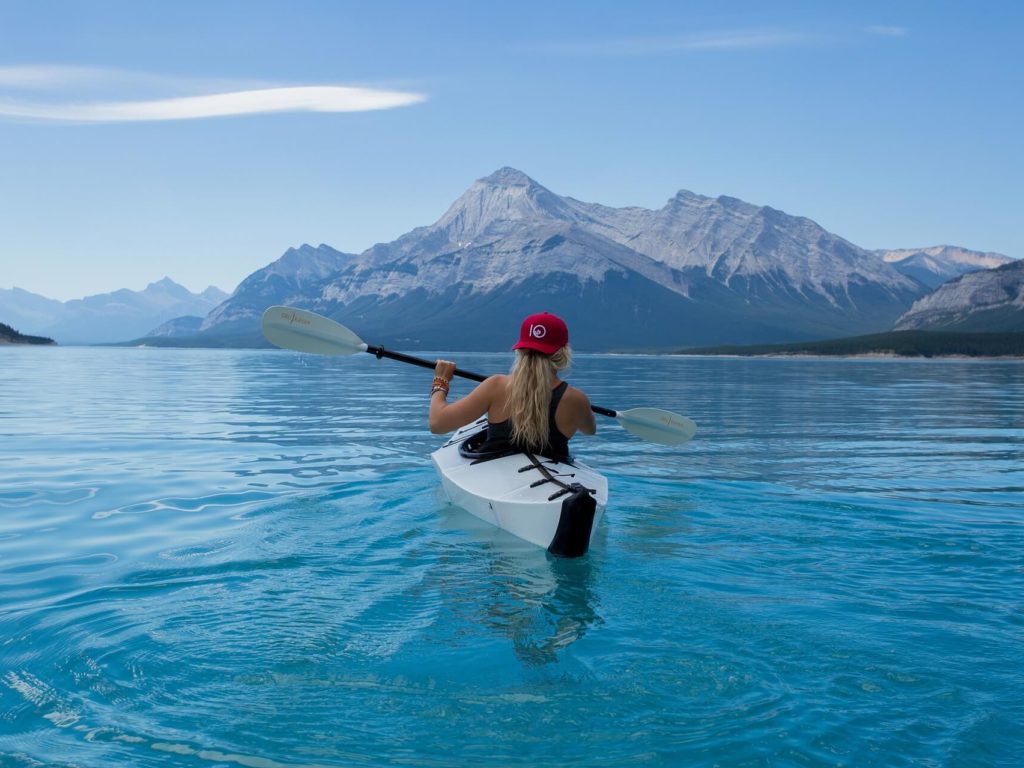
[{"x": 240, "y": 558}]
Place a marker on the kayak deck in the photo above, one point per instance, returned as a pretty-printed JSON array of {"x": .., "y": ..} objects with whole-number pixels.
[{"x": 512, "y": 493}]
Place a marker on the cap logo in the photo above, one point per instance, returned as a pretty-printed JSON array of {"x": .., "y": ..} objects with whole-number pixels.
[{"x": 538, "y": 331}]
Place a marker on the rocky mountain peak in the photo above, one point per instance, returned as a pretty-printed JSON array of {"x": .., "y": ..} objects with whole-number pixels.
[
  {"x": 495, "y": 203},
  {"x": 214, "y": 294},
  {"x": 167, "y": 285},
  {"x": 308, "y": 260},
  {"x": 509, "y": 177},
  {"x": 686, "y": 199}
]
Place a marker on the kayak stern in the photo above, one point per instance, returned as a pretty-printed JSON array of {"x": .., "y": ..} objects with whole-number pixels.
[{"x": 513, "y": 494}]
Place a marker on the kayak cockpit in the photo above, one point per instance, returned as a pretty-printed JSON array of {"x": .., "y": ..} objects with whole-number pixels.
[{"x": 474, "y": 447}]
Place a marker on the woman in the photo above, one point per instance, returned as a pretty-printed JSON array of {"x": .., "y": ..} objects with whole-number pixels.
[{"x": 531, "y": 408}]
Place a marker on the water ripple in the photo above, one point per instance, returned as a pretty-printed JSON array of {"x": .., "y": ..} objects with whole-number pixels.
[{"x": 254, "y": 567}]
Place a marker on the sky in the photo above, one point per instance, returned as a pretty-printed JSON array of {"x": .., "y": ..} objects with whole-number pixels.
[{"x": 200, "y": 140}]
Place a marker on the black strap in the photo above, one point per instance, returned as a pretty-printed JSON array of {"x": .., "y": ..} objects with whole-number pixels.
[{"x": 548, "y": 477}]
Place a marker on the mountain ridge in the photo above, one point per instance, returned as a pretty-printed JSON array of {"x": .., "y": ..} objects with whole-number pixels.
[
  {"x": 988, "y": 300},
  {"x": 106, "y": 317},
  {"x": 697, "y": 270},
  {"x": 938, "y": 264}
]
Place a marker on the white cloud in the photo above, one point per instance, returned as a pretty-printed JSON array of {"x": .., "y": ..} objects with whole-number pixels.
[
  {"x": 887, "y": 31},
  {"x": 297, "y": 99},
  {"x": 56, "y": 77},
  {"x": 95, "y": 95},
  {"x": 739, "y": 39}
]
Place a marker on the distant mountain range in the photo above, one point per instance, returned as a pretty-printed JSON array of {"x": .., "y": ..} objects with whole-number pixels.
[
  {"x": 699, "y": 271},
  {"x": 104, "y": 317},
  {"x": 934, "y": 266}
]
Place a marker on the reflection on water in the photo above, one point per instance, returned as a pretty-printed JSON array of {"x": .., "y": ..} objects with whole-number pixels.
[
  {"x": 243, "y": 558},
  {"x": 542, "y": 607},
  {"x": 541, "y": 603}
]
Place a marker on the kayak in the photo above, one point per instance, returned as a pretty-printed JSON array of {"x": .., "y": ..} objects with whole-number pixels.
[{"x": 555, "y": 505}]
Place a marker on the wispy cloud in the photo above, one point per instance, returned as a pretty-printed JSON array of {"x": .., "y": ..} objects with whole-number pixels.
[
  {"x": 192, "y": 99},
  {"x": 45, "y": 76},
  {"x": 887, "y": 31},
  {"x": 296, "y": 99},
  {"x": 727, "y": 40},
  {"x": 58, "y": 77}
]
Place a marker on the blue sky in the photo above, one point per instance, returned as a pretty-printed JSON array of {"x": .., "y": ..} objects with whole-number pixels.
[{"x": 142, "y": 139}]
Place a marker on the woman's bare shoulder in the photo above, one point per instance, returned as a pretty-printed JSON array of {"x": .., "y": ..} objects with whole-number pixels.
[{"x": 576, "y": 396}]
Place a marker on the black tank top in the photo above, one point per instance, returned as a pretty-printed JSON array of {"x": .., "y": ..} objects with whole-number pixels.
[{"x": 499, "y": 434}]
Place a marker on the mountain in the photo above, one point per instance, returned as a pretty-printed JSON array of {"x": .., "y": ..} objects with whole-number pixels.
[
  {"x": 991, "y": 300},
  {"x": 290, "y": 280},
  {"x": 934, "y": 266},
  {"x": 698, "y": 270},
  {"x": 106, "y": 317},
  {"x": 28, "y": 310},
  {"x": 188, "y": 325}
]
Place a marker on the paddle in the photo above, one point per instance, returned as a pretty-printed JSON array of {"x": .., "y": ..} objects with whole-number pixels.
[{"x": 306, "y": 331}]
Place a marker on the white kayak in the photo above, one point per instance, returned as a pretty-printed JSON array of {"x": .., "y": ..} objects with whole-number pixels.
[{"x": 555, "y": 505}]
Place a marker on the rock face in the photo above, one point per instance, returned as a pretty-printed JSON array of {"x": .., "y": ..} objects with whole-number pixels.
[
  {"x": 697, "y": 271},
  {"x": 189, "y": 325},
  {"x": 934, "y": 266},
  {"x": 992, "y": 300},
  {"x": 106, "y": 317},
  {"x": 289, "y": 280}
]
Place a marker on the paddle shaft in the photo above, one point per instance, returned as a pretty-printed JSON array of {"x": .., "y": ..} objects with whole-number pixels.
[{"x": 380, "y": 352}]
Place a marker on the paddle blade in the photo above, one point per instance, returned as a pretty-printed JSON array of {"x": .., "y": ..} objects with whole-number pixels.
[
  {"x": 657, "y": 425},
  {"x": 304, "y": 331}
]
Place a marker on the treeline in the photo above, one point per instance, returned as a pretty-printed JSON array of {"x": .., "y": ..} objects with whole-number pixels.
[
  {"x": 10, "y": 336},
  {"x": 899, "y": 343}
]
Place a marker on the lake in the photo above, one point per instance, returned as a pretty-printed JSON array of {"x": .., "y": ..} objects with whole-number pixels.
[{"x": 242, "y": 558}]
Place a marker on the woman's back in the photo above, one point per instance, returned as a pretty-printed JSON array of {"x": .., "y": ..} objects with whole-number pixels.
[
  {"x": 522, "y": 403},
  {"x": 561, "y": 427}
]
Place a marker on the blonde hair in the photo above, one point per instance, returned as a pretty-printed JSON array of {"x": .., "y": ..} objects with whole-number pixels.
[{"x": 529, "y": 394}]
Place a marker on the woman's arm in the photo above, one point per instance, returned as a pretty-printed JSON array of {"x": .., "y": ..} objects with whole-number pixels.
[
  {"x": 574, "y": 414},
  {"x": 446, "y": 417},
  {"x": 587, "y": 424}
]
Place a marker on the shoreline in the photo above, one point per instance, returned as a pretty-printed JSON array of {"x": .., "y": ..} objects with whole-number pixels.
[
  {"x": 883, "y": 356},
  {"x": 865, "y": 356}
]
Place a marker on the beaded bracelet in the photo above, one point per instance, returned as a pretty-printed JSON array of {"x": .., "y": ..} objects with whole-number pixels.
[{"x": 440, "y": 385}]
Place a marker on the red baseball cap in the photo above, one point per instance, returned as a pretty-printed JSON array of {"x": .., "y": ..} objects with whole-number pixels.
[{"x": 544, "y": 333}]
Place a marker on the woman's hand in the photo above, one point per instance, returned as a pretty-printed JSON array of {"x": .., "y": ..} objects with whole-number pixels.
[
  {"x": 445, "y": 416},
  {"x": 444, "y": 369}
]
